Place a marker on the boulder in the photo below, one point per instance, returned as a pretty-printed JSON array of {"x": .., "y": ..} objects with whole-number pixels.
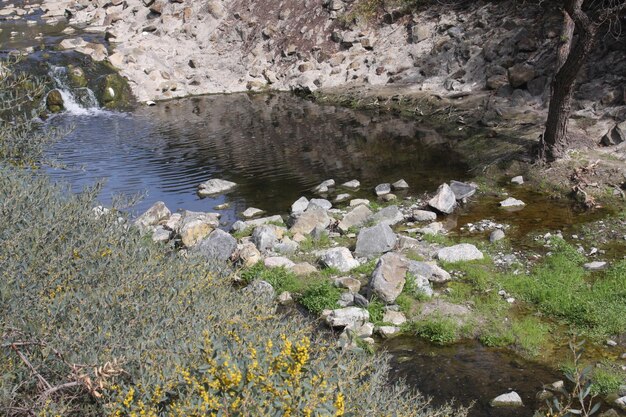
[
  {"x": 519, "y": 180},
  {"x": 324, "y": 186},
  {"x": 286, "y": 246},
  {"x": 496, "y": 235},
  {"x": 309, "y": 220},
  {"x": 113, "y": 90},
  {"x": 173, "y": 222},
  {"x": 356, "y": 217},
  {"x": 320, "y": 203},
  {"x": 346, "y": 299},
  {"x": 459, "y": 253},
  {"x": 424, "y": 216},
  {"x": 462, "y": 190},
  {"x": 387, "y": 332},
  {"x": 444, "y": 200},
  {"x": 429, "y": 271},
  {"x": 347, "y": 317},
  {"x": 511, "y": 399},
  {"x": 251, "y": 212},
  {"x": 432, "y": 229},
  {"x": 520, "y": 74},
  {"x": 153, "y": 215},
  {"x": 278, "y": 262},
  {"x": 214, "y": 186},
  {"x": 375, "y": 240},
  {"x": 342, "y": 197},
  {"x": 400, "y": 185},
  {"x": 397, "y": 318},
  {"x": 54, "y": 101},
  {"x": 359, "y": 201},
  {"x": 621, "y": 403},
  {"x": 339, "y": 258},
  {"x": 161, "y": 234},
  {"x": 390, "y": 215},
  {"x": 349, "y": 283},
  {"x": 195, "y": 226},
  {"x": 512, "y": 202},
  {"x": 265, "y": 237},
  {"x": 382, "y": 189},
  {"x": 240, "y": 226},
  {"x": 303, "y": 269},
  {"x": 218, "y": 246},
  {"x": 595, "y": 266},
  {"x": 615, "y": 136},
  {"x": 299, "y": 205},
  {"x": 248, "y": 255},
  {"x": 389, "y": 276}
]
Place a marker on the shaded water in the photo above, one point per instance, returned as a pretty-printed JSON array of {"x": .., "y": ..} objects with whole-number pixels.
[
  {"x": 276, "y": 147},
  {"x": 470, "y": 373}
]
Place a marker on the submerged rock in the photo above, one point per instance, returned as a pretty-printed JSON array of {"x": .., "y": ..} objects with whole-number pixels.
[
  {"x": 352, "y": 184},
  {"x": 400, "y": 185},
  {"x": 214, "y": 186}
]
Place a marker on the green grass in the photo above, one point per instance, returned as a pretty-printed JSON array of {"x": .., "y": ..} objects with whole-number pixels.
[
  {"x": 280, "y": 278},
  {"x": 560, "y": 287},
  {"x": 320, "y": 296},
  {"x": 310, "y": 244},
  {"x": 607, "y": 379},
  {"x": 376, "y": 308},
  {"x": 366, "y": 268},
  {"x": 438, "y": 330}
]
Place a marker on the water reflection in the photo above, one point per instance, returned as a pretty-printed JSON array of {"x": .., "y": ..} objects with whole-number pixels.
[{"x": 276, "y": 147}]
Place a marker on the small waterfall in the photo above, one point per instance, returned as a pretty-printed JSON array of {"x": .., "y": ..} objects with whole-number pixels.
[{"x": 76, "y": 101}]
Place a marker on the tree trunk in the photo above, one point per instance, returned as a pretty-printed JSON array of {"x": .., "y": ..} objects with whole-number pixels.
[{"x": 570, "y": 59}]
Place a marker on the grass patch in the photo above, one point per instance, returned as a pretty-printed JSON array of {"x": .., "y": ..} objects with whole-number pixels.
[
  {"x": 607, "y": 379},
  {"x": 438, "y": 330},
  {"x": 310, "y": 244},
  {"x": 280, "y": 278},
  {"x": 366, "y": 268},
  {"x": 320, "y": 296},
  {"x": 376, "y": 308}
]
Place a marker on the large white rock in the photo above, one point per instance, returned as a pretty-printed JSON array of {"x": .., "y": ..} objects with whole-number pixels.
[
  {"x": 214, "y": 186},
  {"x": 459, "y": 253},
  {"x": 444, "y": 201},
  {"x": 153, "y": 215},
  {"x": 356, "y": 217},
  {"x": 511, "y": 399},
  {"x": 347, "y": 317},
  {"x": 375, "y": 240},
  {"x": 389, "y": 277},
  {"x": 299, "y": 205},
  {"x": 512, "y": 202},
  {"x": 339, "y": 258}
]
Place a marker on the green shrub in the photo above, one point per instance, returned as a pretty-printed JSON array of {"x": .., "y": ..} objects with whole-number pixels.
[
  {"x": 321, "y": 296},
  {"x": 437, "y": 330},
  {"x": 376, "y": 309},
  {"x": 606, "y": 379}
]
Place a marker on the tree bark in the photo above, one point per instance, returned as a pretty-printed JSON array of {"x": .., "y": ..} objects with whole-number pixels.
[{"x": 570, "y": 58}]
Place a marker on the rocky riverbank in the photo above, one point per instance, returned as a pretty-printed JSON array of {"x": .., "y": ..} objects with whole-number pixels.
[{"x": 375, "y": 269}]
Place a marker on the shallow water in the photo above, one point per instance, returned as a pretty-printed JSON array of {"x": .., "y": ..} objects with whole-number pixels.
[{"x": 275, "y": 147}]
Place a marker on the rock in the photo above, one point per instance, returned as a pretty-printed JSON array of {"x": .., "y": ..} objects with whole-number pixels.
[
  {"x": 214, "y": 186},
  {"x": 595, "y": 266},
  {"x": 54, "y": 101},
  {"x": 360, "y": 301},
  {"x": 389, "y": 276},
  {"x": 113, "y": 91},
  {"x": 342, "y": 197},
  {"x": 309, "y": 220},
  {"x": 321, "y": 203},
  {"x": 278, "y": 262},
  {"x": 339, "y": 258},
  {"x": 375, "y": 240},
  {"x": 496, "y": 235},
  {"x": 195, "y": 226},
  {"x": 218, "y": 246},
  {"x": 319, "y": 232},
  {"x": 420, "y": 33},
  {"x": 356, "y": 217},
  {"x": 303, "y": 269},
  {"x": 248, "y": 255},
  {"x": 299, "y": 205},
  {"x": 174, "y": 221},
  {"x": 390, "y": 215},
  {"x": 286, "y": 246},
  {"x": 161, "y": 234},
  {"x": 511, "y": 399},
  {"x": 432, "y": 229},
  {"x": 389, "y": 197},
  {"x": 261, "y": 288},
  {"x": 324, "y": 186},
  {"x": 349, "y": 283},
  {"x": 615, "y": 136},
  {"x": 382, "y": 189},
  {"x": 352, "y": 184},
  {"x": 364, "y": 331},
  {"x": 397, "y": 318},
  {"x": 400, "y": 185},
  {"x": 153, "y": 216},
  {"x": 251, "y": 212},
  {"x": 346, "y": 299},
  {"x": 462, "y": 190},
  {"x": 497, "y": 81},
  {"x": 444, "y": 200},
  {"x": 222, "y": 206},
  {"x": 520, "y": 74},
  {"x": 512, "y": 202},
  {"x": 240, "y": 226},
  {"x": 459, "y": 253},
  {"x": 609, "y": 413},
  {"x": 285, "y": 298},
  {"x": 265, "y": 237},
  {"x": 387, "y": 332},
  {"x": 359, "y": 201},
  {"x": 347, "y": 317},
  {"x": 424, "y": 216},
  {"x": 429, "y": 271},
  {"x": 519, "y": 180}
]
